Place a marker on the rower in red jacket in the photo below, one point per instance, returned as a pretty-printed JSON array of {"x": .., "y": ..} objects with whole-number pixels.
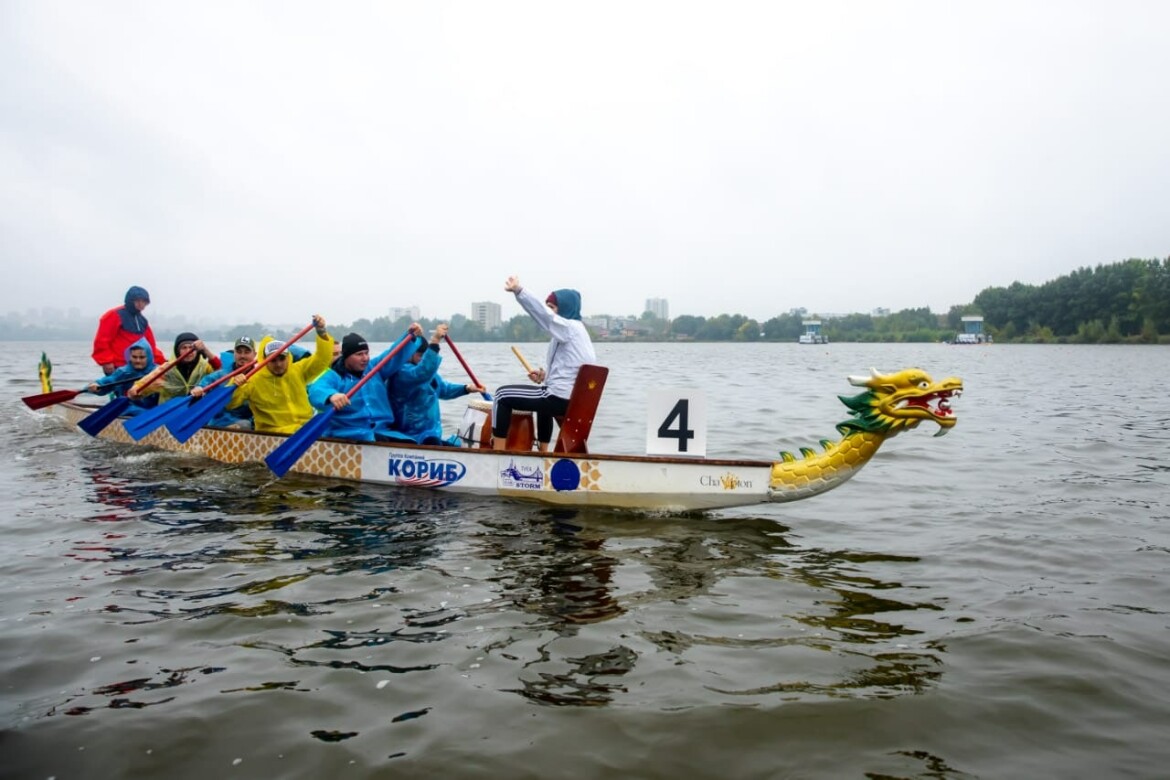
[{"x": 120, "y": 327}]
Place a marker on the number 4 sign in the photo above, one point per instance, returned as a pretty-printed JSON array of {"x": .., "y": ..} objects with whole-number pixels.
[{"x": 676, "y": 423}]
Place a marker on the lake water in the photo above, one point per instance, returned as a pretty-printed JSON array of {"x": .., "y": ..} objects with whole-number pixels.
[{"x": 994, "y": 603}]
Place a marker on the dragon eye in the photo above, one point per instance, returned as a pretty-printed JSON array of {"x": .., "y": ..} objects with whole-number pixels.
[{"x": 923, "y": 385}]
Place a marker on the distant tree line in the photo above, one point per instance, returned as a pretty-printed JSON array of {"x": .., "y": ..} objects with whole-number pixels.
[
  {"x": 1125, "y": 302},
  {"x": 1122, "y": 302}
]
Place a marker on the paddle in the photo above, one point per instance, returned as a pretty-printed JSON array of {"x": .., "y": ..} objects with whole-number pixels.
[
  {"x": 184, "y": 426},
  {"x": 284, "y": 457},
  {"x": 41, "y": 400},
  {"x": 523, "y": 362},
  {"x": 141, "y": 425},
  {"x": 486, "y": 395},
  {"x": 96, "y": 422}
]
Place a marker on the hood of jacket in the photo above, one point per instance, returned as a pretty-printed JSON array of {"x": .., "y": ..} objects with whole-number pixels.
[
  {"x": 568, "y": 303},
  {"x": 142, "y": 343},
  {"x": 133, "y": 321},
  {"x": 136, "y": 293}
]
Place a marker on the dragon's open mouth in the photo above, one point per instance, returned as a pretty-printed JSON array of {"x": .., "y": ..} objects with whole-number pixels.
[{"x": 941, "y": 401}]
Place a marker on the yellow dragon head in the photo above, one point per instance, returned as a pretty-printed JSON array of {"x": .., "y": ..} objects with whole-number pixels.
[{"x": 893, "y": 403}]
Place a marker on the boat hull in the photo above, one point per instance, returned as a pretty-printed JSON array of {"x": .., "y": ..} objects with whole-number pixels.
[{"x": 618, "y": 481}]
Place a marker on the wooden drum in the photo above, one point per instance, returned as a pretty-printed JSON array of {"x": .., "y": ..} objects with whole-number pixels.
[{"x": 476, "y": 428}]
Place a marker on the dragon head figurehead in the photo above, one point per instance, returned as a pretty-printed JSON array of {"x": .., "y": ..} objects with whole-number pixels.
[{"x": 896, "y": 402}]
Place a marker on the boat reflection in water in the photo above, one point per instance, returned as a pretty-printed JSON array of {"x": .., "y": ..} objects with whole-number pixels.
[
  {"x": 566, "y": 607},
  {"x": 815, "y": 612}
]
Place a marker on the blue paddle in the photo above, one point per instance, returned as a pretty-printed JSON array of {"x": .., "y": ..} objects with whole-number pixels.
[
  {"x": 141, "y": 425},
  {"x": 96, "y": 422},
  {"x": 284, "y": 457},
  {"x": 202, "y": 410}
]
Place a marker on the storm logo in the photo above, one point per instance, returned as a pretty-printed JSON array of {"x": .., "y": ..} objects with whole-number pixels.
[{"x": 425, "y": 472}]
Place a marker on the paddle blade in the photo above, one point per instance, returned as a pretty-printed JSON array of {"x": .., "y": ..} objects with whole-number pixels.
[
  {"x": 141, "y": 425},
  {"x": 96, "y": 422},
  {"x": 184, "y": 426},
  {"x": 284, "y": 457},
  {"x": 41, "y": 400}
]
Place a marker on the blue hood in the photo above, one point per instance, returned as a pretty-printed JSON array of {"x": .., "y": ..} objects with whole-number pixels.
[
  {"x": 132, "y": 320},
  {"x": 135, "y": 293},
  {"x": 144, "y": 344},
  {"x": 568, "y": 303}
]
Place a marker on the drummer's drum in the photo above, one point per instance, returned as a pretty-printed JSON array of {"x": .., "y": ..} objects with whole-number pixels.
[{"x": 476, "y": 428}]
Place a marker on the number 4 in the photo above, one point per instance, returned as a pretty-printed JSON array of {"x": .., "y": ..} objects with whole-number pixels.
[{"x": 682, "y": 433}]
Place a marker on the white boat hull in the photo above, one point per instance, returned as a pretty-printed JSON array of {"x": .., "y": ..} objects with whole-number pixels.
[{"x": 618, "y": 481}]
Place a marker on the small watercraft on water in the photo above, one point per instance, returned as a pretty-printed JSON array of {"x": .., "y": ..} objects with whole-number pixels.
[{"x": 572, "y": 476}]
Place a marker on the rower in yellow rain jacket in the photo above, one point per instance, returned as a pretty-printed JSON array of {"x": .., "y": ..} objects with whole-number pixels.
[{"x": 278, "y": 393}]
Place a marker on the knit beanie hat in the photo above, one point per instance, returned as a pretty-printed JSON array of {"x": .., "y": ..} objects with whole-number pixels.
[
  {"x": 351, "y": 344},
  {"x": 185, "y": 336}
]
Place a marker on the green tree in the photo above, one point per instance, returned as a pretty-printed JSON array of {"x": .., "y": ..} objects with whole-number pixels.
[{"x": 687, "y": 326}]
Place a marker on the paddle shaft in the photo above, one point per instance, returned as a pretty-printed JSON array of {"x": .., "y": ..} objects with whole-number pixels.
[
  {"x": 378, "y": 366},
  {"x": 267, "y": 358},
  {"x": 158, "y": 373},
  {"x": 523, "y": 362},
  {"x": 257, "y": 365},
  {"x": 462, "y": 362}
]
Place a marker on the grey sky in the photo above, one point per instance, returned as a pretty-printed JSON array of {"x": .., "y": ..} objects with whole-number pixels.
[{"x": 265, "y": 161}]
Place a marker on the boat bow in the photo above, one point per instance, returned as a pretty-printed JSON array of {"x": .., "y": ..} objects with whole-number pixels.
[{"x": 890, "y": 404}]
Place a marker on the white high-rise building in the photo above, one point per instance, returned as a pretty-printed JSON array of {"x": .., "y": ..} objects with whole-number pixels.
[
  {"x": 487, "y": 314},
  {"x": 398, "y": 312},
  {"x": 659, "y": 307}
]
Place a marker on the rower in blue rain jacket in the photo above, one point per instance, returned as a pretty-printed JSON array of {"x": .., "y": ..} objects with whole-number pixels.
[
  {"x": 417, "y": 388},
  {"x": 139, "y": 358},
  {"x": 367, "y": 416},
  {"x": 243, "y": 353}
]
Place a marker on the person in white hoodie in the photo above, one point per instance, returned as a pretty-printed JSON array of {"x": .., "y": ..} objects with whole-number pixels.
[{"x": 560, "y": 316}]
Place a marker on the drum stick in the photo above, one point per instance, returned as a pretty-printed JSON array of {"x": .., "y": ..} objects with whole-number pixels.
[{"x": 523, "y": 362}]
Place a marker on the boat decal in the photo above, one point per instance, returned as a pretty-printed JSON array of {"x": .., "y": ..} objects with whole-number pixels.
[
  {"x": 527, "y": 475},
  {"x": 420, "y": 471},
  {"x": 564, "y": 475},
  {"x": 728, "y": 481}
]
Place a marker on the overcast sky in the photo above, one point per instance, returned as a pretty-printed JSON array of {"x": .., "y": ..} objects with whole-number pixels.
[{"x": 267, "y": 160}]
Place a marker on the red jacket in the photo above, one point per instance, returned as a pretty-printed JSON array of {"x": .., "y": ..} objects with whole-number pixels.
[{"x": 111, "y": 340}]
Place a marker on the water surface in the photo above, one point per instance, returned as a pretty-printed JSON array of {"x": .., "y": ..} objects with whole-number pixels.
[{"x": 992, "y": 603}]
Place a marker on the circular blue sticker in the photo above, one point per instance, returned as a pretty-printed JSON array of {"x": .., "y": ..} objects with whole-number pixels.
[{"x": 565, "y": 475}]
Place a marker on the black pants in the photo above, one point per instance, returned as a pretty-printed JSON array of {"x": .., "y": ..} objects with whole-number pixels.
[{"x": 526, "y": 398}]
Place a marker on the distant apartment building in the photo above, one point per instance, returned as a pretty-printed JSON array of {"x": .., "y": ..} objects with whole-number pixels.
[
  {"x": 487, "y": 314},
  {"x": 597, "y": 324},
  {"x": 659, "y": 307},
  {"x": 397, "y": 313}
]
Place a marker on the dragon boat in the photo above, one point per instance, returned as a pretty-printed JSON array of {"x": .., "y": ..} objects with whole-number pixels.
[{"x": 887, "y": 405}]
